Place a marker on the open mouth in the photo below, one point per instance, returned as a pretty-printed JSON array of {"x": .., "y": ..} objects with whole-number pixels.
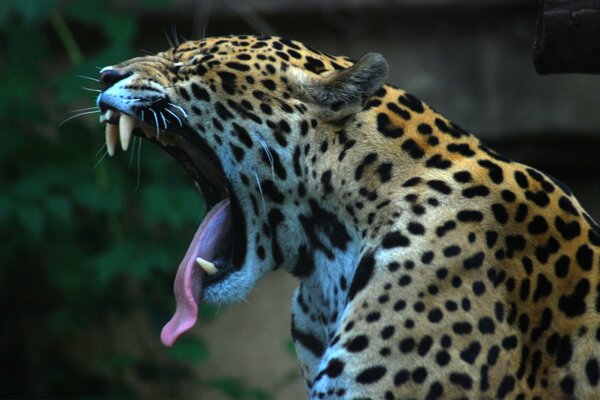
[{"x": 217, "y": 249}]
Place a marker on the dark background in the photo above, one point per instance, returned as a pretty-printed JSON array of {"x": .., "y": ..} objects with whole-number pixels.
[{"x": 89, "y": 246}]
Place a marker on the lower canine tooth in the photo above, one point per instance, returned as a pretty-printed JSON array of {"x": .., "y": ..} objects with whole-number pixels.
[
  {"x": 150, "y": 133},
  {"x": 126, "y": 124},
  {"x": 207, "y": 266},
  {"x": 112, "y": 135}
]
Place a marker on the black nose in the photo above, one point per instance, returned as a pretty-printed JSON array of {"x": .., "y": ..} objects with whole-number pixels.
[{"x": 112, "y": 76}]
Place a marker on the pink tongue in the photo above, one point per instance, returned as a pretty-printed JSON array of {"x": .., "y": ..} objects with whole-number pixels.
[{"x": 188, "y": 282}]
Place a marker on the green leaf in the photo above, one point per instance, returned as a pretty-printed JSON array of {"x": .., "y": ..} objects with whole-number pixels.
[
  {"x": 259, "y": 394},
  {"x": 32, "y": 219},
  {"x": 35, "y": 10},
  {"x": 107, "y": 266},
  {"x": 190, "y": 350},
  {"x": 6, "y": 8},
  {"x": 109, "y": 199},
  {"x": 175, "y": 207},
  {"x": 91, "y": 12},
  {"x": 58, "y": 207},
  {"x": 146, "y": 259},
  {"x": 120, "y": 29},
  {"x": 234, "y": 388},
  {"x": 230, "y": 387},
  {"x": 5, "y": 208}
]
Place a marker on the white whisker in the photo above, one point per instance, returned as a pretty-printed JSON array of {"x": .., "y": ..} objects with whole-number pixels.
[
  {"x": 100, "y": 160},
  {"x": 246, "y": 301},
  {"x": 101, "y": 148},
  {"x": 137, "y": 185},
  {"x": 132, "y": 153},
  {"x": 77, "y": 115},
  {"x": 156, "y": 123},
  {"x": 260, "y": 190},
  {"x": 175, "y": 115},
  {"x": 91, "y": 90},
  {"x": 180, "y": 109},
  {"x": 88, "y": 77},
  {"x": 269, "y": 155},
  {"x": 175, "y": 35},
  {"x": 85, "y": 109},
  {"x": 164, "y": 120},
  {"x": 169, "y": 40}
]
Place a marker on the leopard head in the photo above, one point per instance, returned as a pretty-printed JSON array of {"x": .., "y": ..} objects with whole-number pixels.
[{"x": 240, "y": 114}]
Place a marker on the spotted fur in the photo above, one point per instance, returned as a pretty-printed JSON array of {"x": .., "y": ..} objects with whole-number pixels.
[{"x": 429, "y": 265}]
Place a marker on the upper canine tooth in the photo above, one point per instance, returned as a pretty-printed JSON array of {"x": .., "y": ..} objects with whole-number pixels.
[
  {"x": 207, "y": 266},
  {"x": 112, "y": 134},
  {"x": 126, "y": 125},
  {"x": 108, "y": 115}
]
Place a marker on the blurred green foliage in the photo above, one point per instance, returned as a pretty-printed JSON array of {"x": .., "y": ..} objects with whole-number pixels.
[{"x": 88, "y": 246}]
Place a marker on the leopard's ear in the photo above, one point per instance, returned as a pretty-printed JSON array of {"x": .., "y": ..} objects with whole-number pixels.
[{"x": 341, "y": 93}]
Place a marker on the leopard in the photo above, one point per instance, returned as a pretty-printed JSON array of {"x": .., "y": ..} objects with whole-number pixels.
[{"x": 429, "y": 265}]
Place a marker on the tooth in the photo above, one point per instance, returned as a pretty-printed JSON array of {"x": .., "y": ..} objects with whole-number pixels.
[
  {"x": 126, "y": 124},
  {"x": 163, "y": 140},
  {"x": 207, "y": 266},
  {"x": 112, "y": 135},
  {"x": 150, "y": 133},
  {"x": 109, "y": 114}
]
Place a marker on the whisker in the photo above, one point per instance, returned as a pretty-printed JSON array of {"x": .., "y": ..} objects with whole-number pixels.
[
  {"x": 85, "y": 109},
  {"x": 100, "y": 149},
  {"x": 203, "y": 209},
  {"x": 156, "y": 123},
  {"x": 246, "y": 301},
  {"x": 100, "y": 160},
  {"x": 269, "y": 155},
  {"x": 260, "y": 190},
  {"x": 137, "y": 185},
  {"x": 132, "y": 153},
  {"x": 175, "y": 115},
  {"x": 175, "y": 35},
  {"x": 204, "y": 29},
  {"x": 169, "y": 40},
  {"x": 91, "y": 90},
  {"x": 88, "y": 77},
  {"x": 142, "y": 116},
  {"x": 180, "y": 109},
  {"x": 77, "y": 115},
  {"x": 164, "y": 120}
]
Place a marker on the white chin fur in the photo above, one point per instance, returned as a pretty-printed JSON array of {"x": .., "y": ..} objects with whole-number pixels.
[{"x": 233, "y": 288}]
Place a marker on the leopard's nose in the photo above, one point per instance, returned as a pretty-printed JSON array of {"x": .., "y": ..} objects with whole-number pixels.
[{"x": 109, "y": 76}]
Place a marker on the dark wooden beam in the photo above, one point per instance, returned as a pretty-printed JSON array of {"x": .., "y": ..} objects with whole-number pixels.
[{"x": 568, "y": 37}]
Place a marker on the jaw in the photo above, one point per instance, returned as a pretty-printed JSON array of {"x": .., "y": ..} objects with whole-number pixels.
[{"x": 217, "y": 267}]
